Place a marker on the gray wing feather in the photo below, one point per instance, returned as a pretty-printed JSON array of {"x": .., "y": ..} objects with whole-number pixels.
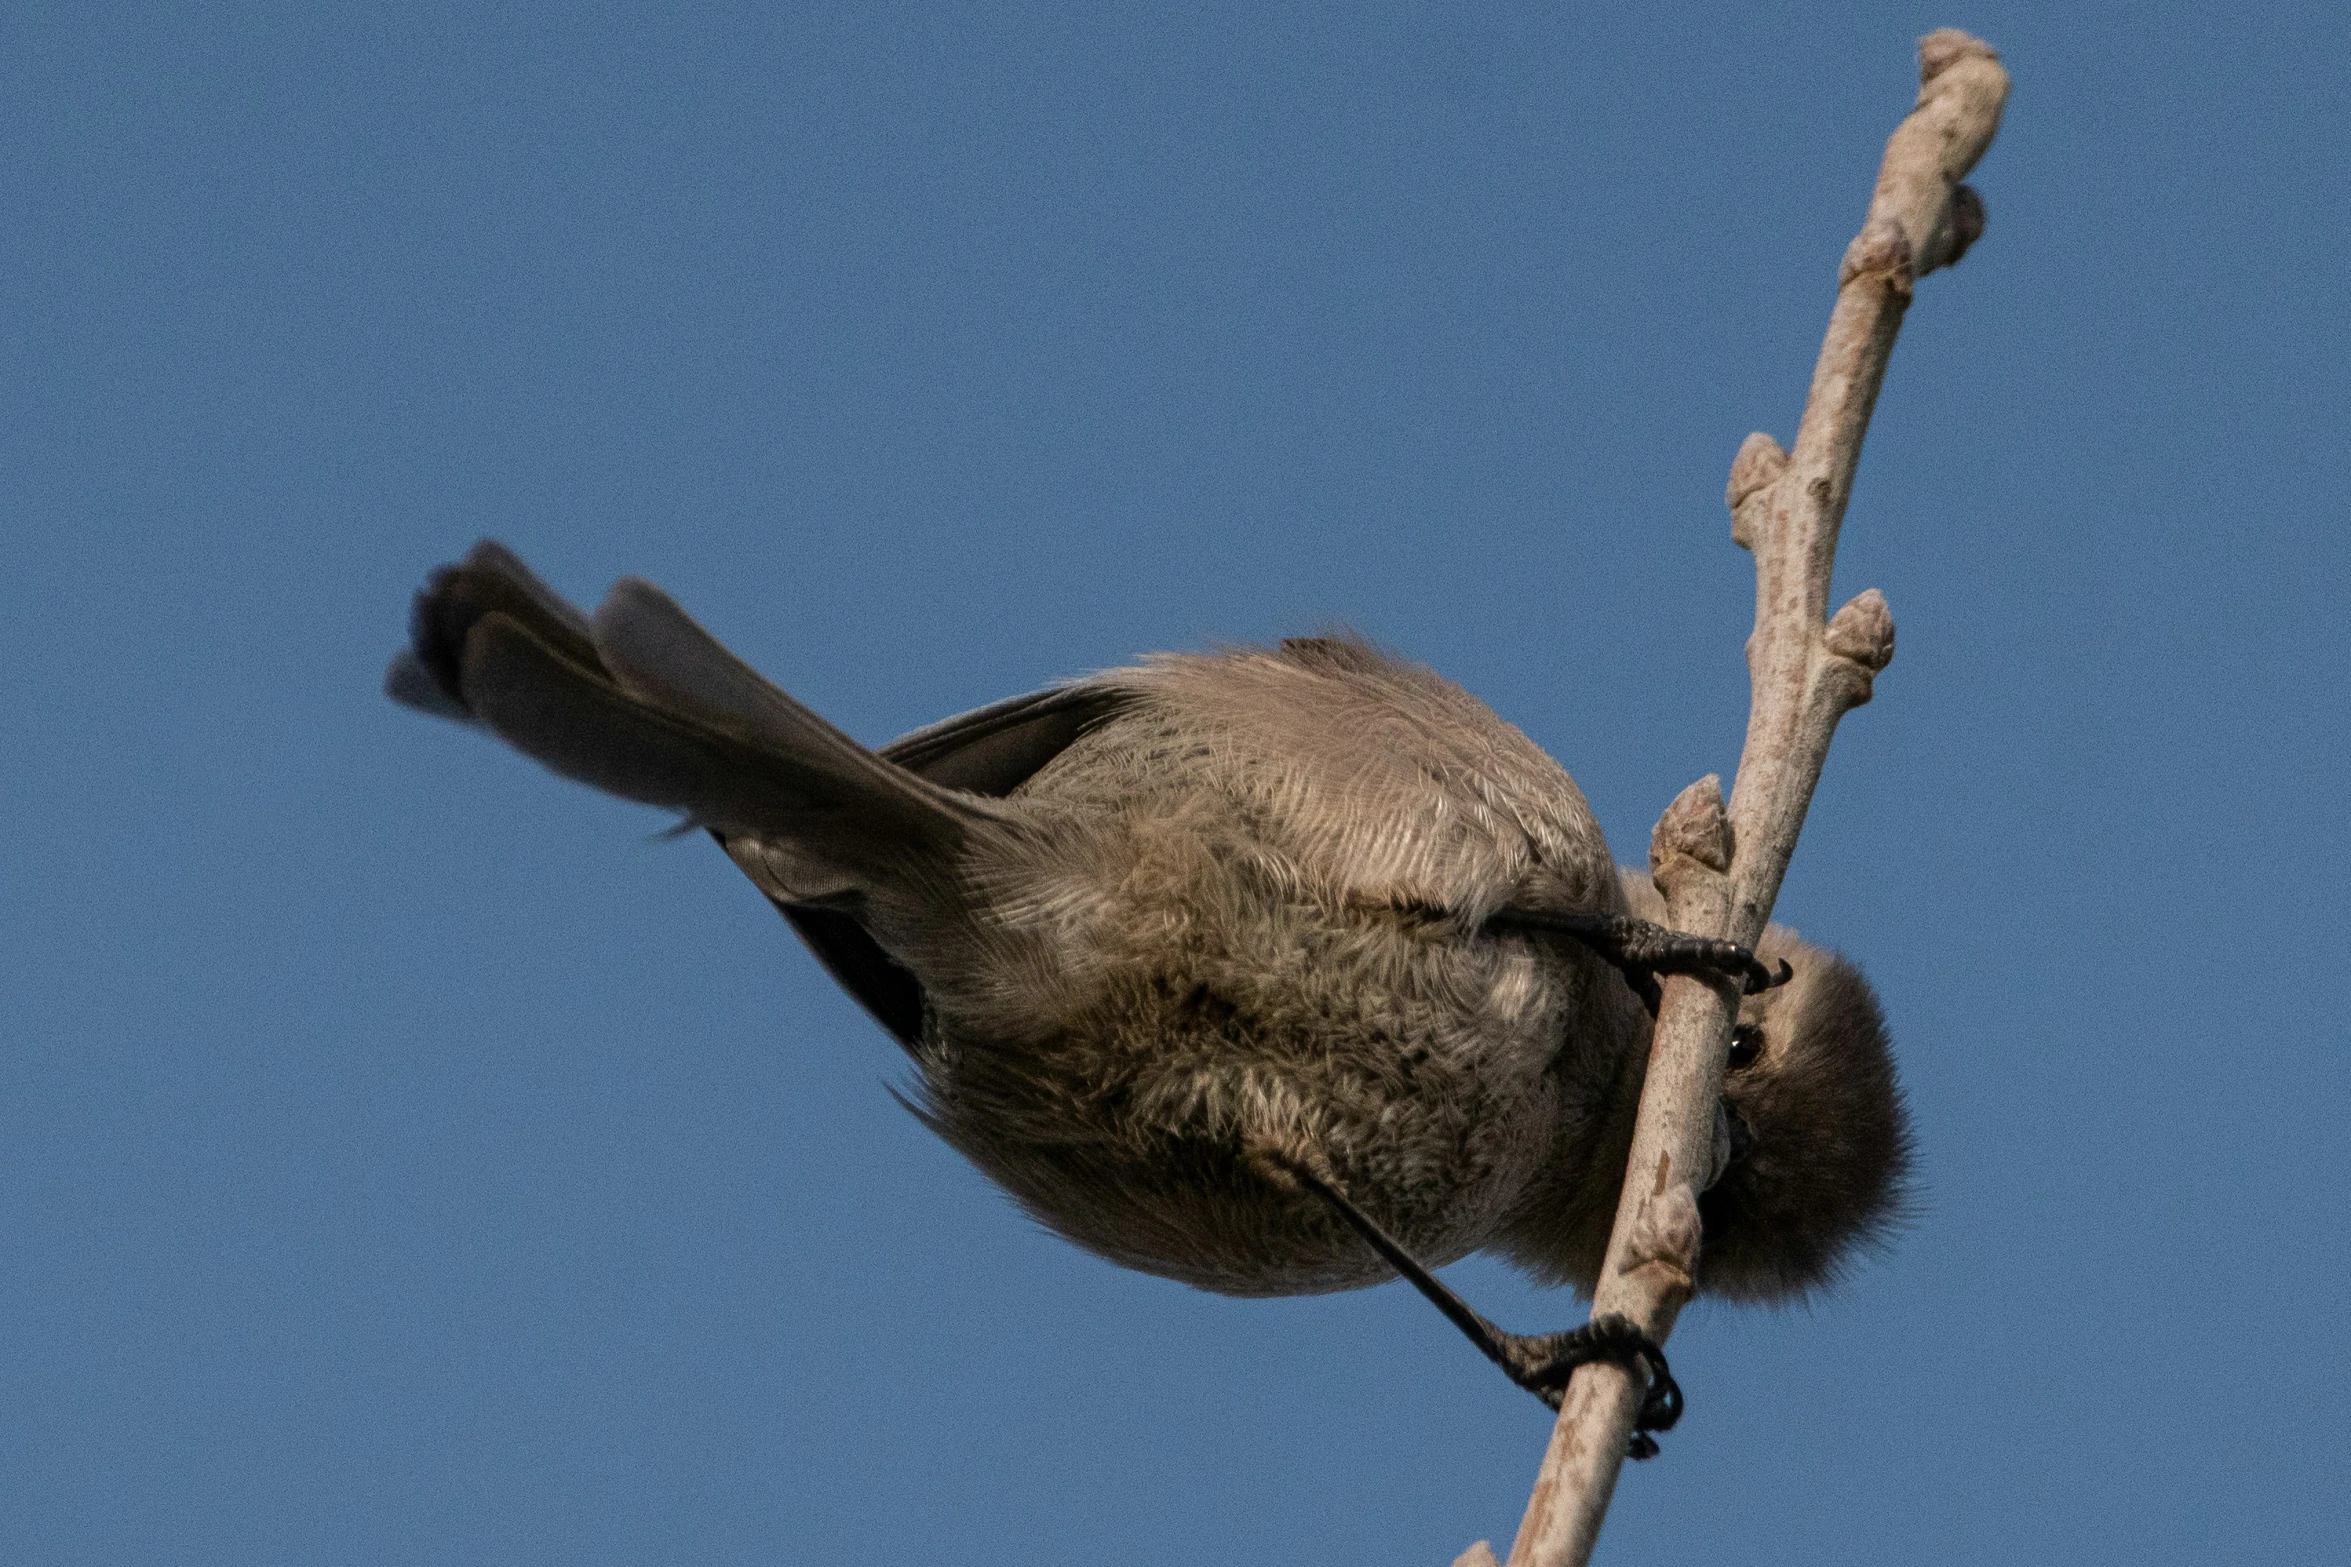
[
  {"x": 585, "y": 727},
  {"x": 993, "y": 750},
  {"x": 660, "y": 654},
  {"x": 642, "y": 702}
]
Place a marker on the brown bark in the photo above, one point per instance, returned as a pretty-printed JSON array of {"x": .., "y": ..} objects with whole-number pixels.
[{"x": 1719, "y": 868}]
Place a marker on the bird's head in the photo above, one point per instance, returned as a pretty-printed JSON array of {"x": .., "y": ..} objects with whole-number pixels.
[{"x": 1819, "y": 1141}]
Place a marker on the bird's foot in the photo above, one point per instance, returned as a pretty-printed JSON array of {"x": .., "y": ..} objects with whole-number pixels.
[
  {"x": 1539, "y": 1362},
  {"x": 1643, "y": 949},
  {"x": 1542, "y": 1363}
]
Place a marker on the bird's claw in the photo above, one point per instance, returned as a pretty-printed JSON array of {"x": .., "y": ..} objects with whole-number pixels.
[
  {"x": 1542, "y": 1363},
  {"x": 1642, "y": 949}
]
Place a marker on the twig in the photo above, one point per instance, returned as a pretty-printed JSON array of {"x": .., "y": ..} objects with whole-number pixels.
[{"x": 1721, "y": 873}]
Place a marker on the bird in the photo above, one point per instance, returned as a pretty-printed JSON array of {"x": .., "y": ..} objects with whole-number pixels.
[{"x": 1272, "y": 970}]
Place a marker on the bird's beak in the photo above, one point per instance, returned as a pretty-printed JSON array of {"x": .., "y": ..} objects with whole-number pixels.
[{"x": 1732, "y": 1139}]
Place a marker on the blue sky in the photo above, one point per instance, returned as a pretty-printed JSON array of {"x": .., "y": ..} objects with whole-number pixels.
[{"x": 403, "y": 1158}]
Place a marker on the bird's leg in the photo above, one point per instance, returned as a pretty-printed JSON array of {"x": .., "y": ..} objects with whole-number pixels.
[
  {"x": 1642, "y": 949},
  {"x": 1539, "y": 1362}
]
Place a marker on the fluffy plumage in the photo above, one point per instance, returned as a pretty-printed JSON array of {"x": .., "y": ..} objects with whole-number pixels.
[{"x": 1149, "y": 935}]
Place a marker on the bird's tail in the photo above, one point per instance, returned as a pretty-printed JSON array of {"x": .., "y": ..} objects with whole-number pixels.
[{"x": 643, "y": 703}]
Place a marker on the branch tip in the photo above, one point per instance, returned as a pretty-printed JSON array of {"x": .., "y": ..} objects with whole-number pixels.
[{"x": 1945, "y": 47}]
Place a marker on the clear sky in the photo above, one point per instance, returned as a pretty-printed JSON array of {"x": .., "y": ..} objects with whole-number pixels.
[{"x": 404, "y": 1158}]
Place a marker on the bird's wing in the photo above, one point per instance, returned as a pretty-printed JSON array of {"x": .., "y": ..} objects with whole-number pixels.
[{"x": 993, "y": 750}]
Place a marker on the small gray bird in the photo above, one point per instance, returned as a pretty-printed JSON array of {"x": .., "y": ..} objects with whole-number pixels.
[{"x": 1272, "y": 971}]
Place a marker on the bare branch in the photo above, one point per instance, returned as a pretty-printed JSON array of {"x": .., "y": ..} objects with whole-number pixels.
[{"x": 1720, "y": 869}]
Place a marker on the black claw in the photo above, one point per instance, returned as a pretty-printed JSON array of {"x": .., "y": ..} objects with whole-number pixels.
[
  {"x": 1643, "y": 950},
  {"x": 1539, "y": 1362},
  {"x": 1542, "y": 1363}
]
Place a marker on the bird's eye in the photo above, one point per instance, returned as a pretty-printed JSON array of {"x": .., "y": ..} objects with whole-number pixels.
[{"x": 1746, "y": 1045}]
